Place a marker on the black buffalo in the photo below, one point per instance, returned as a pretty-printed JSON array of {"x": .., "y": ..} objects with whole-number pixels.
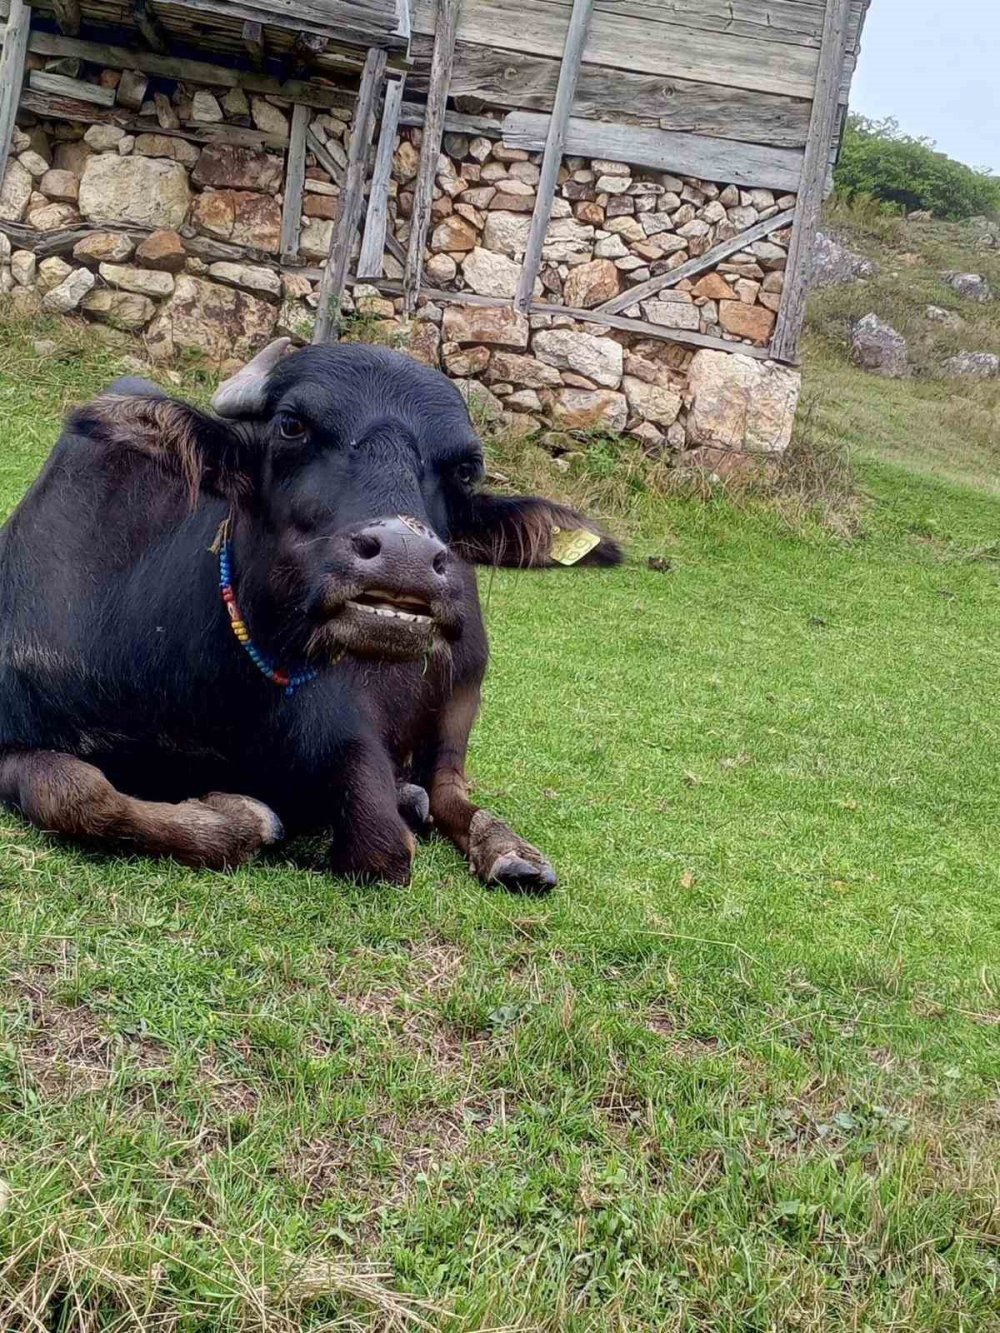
[{"x": 275, "y": 600}]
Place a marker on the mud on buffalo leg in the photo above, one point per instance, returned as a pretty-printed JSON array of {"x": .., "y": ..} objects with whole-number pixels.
[
  {"x": 372, "y": 841},
  {"x": 64, "y": 795},
  {"x": 496, "y": 854}
]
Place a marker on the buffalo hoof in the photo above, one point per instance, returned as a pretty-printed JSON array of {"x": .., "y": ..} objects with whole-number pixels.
[
  {"x": 498, "y": 856},
  {"x": 414, "y": 805},
  {"x": 271, "y": 828}
]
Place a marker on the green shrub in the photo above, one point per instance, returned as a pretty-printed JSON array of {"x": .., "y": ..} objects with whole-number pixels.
[{"x": 879, "y": 161}]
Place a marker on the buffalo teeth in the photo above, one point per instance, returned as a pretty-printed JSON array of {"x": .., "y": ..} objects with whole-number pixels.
[{"x": 391, "y": 613}]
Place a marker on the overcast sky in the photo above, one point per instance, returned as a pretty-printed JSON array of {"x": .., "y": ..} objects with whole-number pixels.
[{"x": 935, "y": 67}]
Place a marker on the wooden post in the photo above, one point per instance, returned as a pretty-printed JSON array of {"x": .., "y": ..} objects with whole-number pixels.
[
  {"x": 15, "y": 47},
  {"x": 373, "y": 241},
  {"x": 569, "y": 70},
  {"x": 67, "y": 15},
  {"x": 446, "y": 27},
  {"x": 295, "y": 175},
  {"x": 815, "y": 165},
  {"x": 253, "y": 44},
  {"x": 352, "y": 196}
]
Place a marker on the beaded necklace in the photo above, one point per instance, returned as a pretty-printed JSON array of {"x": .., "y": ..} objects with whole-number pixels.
[{"x": 288, "y": 681}]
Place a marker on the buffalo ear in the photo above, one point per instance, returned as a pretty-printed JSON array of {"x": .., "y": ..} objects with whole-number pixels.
[
  {"x": 202, "y": 451},
  {"x": 525, "y": 531}
]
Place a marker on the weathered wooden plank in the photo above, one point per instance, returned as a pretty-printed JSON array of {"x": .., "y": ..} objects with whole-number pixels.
[
  {"x": 555, "y": 140},
  {"x": 642, "y": 326},
  {"x": 725, "y": 160},
  {"x": 791, "y": 312},
  {"x": 708, "y": 260},
  {"x": 54, "y": 107},
  {"x": 43, "y": 82},
  {"x": 253, "y": 42},
  {"x": 295, "y": 175},
  {"x": 373, "y": 240},
  {"x": 145, "y": 19},
  {"x": 444, "y": 50},
  {"x": 67, "y": 14},
  {"x": 197, "y": 71},
  {"x": 332, "y": 168},
  {"x": 351, "y": 24},
  {"x": 516, "y": 80},
  {"x": 455, "y": 122},
  {"x": 623, "y": 41},
  {"x": 12, "y": 57},
  {"x": 351, "y": 200}
]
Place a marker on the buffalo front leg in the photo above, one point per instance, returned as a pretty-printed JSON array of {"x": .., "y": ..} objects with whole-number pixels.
[
  {"x": 64, "y": 795},
  {"x": 496, "y": 854},
  {"x": 372, "y": 817}
]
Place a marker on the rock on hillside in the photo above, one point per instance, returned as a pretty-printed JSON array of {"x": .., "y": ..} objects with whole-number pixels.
[
  {"x": 834, "y": 264},
  {"x": 876, "y": 346}
]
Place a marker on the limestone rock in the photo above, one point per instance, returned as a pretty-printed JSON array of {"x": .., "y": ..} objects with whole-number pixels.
[
  {"x": 453, "y": 235},
  {"x": 103, "y": 246},
  {"x": 440, "y": 269},
  {"x": 219, "y": 321},
  {"x": 167, "y": 146},
  {"x": 122, "y": 310},
  {"x": 527, "y": 371},
  {"x": 406, "y": 161},
  {"x": 251, "y": 277},
  {"x": 490, "y": 326},
  {"x": 241, "y": 217},
  {"x": 834, "y": 264},
  {"x": 205, "y": 109},
  {"x": 461, "y": 362},
  {"x": 52, "y": 217},
  {"x": 315, "y": 237},
  {"x": 268, "y": 118},
  {"x": 69, "y": 293},
  {"x": 746, "y": 321},
  {"x": 949, "y": 318},
  {"x": 651, "y": 402},
  {"x": 145, "y": 190},
  {"x": 972, "y": 366},
  {"x": 506, "y": 233},
  {"x": 144, "y": 281},
  {"x": 103, "y": 138},
  {"x": 229, "y": 167},
  {"x": 591, "y": 284},
  {"x": 490, "y": 274},
  {"x": 162, "y": 250},
  {"x": 590, "y": 409},
  {"x": 876, "y": 346},
  {"x": 235, "y": 104},
  {"x": 23, "y": 267},
  {"x": 15, "y": 192},
  {"x": 422, "y": 341},
  {"x": 973, "y": 286},
  {"x": 61, "y": 186},
  {"x": 714, "y": 287},
  {"x": 676, "y": 314},
  {"x": 132, "y": 89},
  {"x": 51, "y": 272},
  {"x": 738, "y": 402},
  {"x": 72, "y": 156},
  {"x": 599, "y": 359}
]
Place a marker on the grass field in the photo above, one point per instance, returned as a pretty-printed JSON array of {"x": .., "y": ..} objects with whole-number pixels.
[{"x": 741, "y": 1071}]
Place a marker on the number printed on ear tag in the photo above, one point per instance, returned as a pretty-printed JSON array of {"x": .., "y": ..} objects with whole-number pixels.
[{"x": 572, "y": 544}]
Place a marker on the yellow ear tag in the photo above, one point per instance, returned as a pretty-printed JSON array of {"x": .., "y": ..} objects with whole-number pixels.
[{"x": 572, "y": 544}]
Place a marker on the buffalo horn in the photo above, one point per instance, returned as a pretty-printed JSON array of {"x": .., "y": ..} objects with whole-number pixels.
[{"x": 242, "y": 395}]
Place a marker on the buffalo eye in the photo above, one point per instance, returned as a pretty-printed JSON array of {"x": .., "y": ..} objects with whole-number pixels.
[
  {"x": 466, "y": 474},
  {"x": 291, "y": 427}
]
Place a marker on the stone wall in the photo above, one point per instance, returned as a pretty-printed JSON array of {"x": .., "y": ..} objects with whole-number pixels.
[{"x": 184, "y": 235}]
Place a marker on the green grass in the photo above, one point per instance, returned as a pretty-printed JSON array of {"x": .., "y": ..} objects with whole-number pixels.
[{"x": 739, "y": 1072}]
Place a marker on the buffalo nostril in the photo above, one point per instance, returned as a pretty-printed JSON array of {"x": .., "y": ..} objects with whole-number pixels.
[
  {"x": 440, "y": 562},
  {"x": 367, "y": 545}
]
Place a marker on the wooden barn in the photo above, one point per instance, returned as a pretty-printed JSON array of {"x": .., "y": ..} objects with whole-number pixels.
[{"x": 642, "y": 174}]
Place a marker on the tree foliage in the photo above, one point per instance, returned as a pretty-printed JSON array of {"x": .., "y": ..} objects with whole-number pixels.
[{"x": 880, "y": 161}]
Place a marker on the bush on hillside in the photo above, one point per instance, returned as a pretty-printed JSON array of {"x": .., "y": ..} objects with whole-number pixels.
[{"x": 879, "y": 161}]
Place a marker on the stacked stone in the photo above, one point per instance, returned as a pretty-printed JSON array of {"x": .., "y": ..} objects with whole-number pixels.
[{"x": 612, "y": 227}]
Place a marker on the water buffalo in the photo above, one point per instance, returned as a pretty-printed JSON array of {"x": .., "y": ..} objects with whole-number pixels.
[{"x": 276, "y": 599}]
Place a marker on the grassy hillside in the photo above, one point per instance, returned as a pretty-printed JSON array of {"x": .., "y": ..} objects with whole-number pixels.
[{"x": 739, "y": 1072}]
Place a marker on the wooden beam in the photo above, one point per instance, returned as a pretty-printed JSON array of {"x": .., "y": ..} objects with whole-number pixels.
[
  {"x": 295, "y": 175},
  {"x": 15, "y": 48},
  {"x": 653, "y": 330},
  {"x": 430, "y": 147},
  {"x": 709, "y": 259},
  {"x": 413, "y": 113},
  {"x": 253, "y": 44},
  {"x": 67, "y": 15},
  {"x": 376, "y": 220},
  {"x": 791, "y": 312},
  {"x": 44, "y": 82},
  {"x": 305, "y": 49},
  {"x": 555, "y": 139},
  {"x": 150, "y": 27},
  {"x": 196, "y": 71},
  {"x": 715, "y": 159},
  {"x": 352, "y": 196}
]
